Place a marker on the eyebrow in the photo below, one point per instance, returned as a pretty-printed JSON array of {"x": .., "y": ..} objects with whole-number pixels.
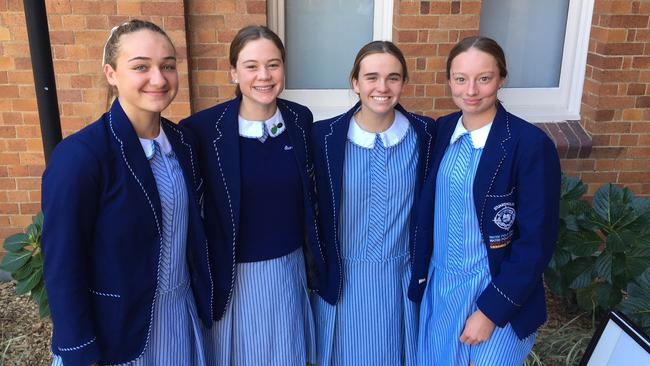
[
  {"x": 377, "y": 74},
  {"x": 137, "y": 58},
  {"x": 256, "y": 61}
]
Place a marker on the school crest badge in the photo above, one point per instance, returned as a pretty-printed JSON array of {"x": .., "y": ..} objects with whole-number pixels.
[{"x": 505, "y": 217}]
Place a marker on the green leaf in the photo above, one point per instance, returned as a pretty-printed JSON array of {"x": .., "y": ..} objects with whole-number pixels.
[
  {"x": 16, "y": 242},
  {"x": 23, "y": 272},
  {"x": 586, "y": 298},
  {"x": 615, "y": 243},
  {"x": 579, "y": 272},
  {"x": 13, "y": 261},
  {"x": 607, "y": 296},
  {"x": 38, "y": 221},
  {"x": 572, "y": 188},
  {"x": 23, "y": 287},
  {"x": 604, "y": 266},
  {"x": 37, "y": 260}
]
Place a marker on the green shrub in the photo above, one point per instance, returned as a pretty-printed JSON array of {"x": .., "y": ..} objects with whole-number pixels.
[
  {"x": 603, "y": 251},
  {"x": 24, "y": 261}
]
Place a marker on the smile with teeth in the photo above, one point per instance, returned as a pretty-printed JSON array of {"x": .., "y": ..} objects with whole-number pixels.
[
  {"x": 263, "y": 88},
  {"x": 380, "y": 98}
]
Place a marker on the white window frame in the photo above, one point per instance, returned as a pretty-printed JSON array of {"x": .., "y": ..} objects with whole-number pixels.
[
  {"x": 326, "y": 103},
  {"x": 561, "y": 103}
]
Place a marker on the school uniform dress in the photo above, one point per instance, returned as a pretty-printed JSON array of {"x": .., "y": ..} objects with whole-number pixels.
[
  {"x": 459, "y": 269},
  {"x": 174, "y": 333},
  {"x": 267, "y": 318},
  {"x": 373, "y": 321},
  {"x": 492, "y": 188}
]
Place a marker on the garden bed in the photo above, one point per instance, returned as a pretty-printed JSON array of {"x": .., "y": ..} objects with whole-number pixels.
[{"x": 25, "y": 339}]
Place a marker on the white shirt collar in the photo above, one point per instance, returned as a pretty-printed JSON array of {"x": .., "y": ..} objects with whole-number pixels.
[
  {"x": 391, "y": 137},
  {"x": 161, "y": 139},
  {"x": 255, "y": 129},
  {"x": 479, "y": 136}
]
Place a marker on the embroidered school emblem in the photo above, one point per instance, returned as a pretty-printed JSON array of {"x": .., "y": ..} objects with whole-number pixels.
[{"x": 505, "y": 217}]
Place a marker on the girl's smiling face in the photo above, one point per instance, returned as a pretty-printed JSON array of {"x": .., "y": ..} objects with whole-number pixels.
[
  {"x": 474, "y": 82},
  {"x": 145, "y": 72},
  {"x": 259, "y": 72}
]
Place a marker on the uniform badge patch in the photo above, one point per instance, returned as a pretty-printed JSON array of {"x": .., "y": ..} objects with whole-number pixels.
[{"x": 505, "y": 217}]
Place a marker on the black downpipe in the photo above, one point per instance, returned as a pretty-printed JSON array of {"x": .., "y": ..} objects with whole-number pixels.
[{"x": 43, "y": 69}]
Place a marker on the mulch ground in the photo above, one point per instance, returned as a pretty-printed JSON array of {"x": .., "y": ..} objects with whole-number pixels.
[{"x": 25, "y": 339}]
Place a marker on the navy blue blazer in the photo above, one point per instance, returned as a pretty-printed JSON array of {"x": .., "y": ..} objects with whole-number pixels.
[
  {"x": 101, "y": 240},
  {"x": 517, "y": 195},
  {"x": 328, "y": 139},
  {"x": 217, "y": 131}
]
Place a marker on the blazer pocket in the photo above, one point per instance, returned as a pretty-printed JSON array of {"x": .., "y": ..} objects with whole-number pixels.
[{"x": 500, "y": 218}]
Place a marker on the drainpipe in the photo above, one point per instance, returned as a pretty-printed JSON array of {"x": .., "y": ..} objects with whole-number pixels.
[{"x": 43, "y": 69}]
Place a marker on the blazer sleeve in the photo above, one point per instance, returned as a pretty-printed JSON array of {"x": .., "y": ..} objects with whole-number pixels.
[
  {"x": 70, "y": 195},
  {"x": 537, "y": 177}
]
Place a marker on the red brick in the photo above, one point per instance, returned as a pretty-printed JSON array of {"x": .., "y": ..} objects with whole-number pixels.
[
  {"x": 620, "y": 49},
  {"x": 641, "y": 63},
  {"x": 624, "y": 21}
]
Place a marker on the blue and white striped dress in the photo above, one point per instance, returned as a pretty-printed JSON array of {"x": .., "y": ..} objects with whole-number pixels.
[
  {"x": 459, "y": 269},
  {"x": 175, "y": 334},
  {"x": 374, "y": 322},
  {"x": 268, "y": 320}
]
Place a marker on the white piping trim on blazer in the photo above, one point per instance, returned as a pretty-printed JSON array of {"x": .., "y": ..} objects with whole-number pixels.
[
  {"x": 155, "y": 216},
  {"x": 104, "y": 294},
  {"x": 232, "y": 215},
  {"x": 68, "y": 349},
  {"x": 335, "y": 224},
  {"x": 304, "y": 139},
  {"x": 207, "y": 253},
  {"x": 426, "y": 172}
]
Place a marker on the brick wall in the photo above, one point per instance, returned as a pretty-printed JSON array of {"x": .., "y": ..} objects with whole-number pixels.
[
  {"x": 616, "y": 101},
  {"x": 213, "y": 24},
  {"x": 614, "y": 109},
  {"x": 78, "y": 30}
]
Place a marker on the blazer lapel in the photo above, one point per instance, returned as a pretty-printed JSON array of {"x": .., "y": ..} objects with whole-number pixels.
[
  {"x": 335, "y": 154},
  {"x": 495, "y": 151},
  {"x": 226, "y": 148},
  {"x": 133, "y": 156},
  {"x": 298, "y": 137},
  {"x": 443, "y": 136},
  {"x": 184, "y": 154}
]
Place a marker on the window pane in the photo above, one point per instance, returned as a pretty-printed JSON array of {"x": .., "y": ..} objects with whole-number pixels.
[
  {"x": 531, "y": 33},
  {"x": 322, "y": 38}
]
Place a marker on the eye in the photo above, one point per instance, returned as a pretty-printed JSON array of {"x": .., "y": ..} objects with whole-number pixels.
[
  {"x": 140, "y": 68},
  {"x": 169, "y": 67},
  {"x": 459, "y": 80},
  {"x": 250, "y": 67},
  {"x": 274, "y": 66},
  {"x": 371, "y": 78},
  {"x": 484, "y": 79},
  {"x": 395, "y": 78}
]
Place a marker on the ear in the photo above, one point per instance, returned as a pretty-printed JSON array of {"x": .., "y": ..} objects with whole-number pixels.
[
  {"x": 233, "y": 75},
  {"x": 110, "y": 75},
  {"x": 502, "y": 82},
  {"x": 355, "y": 86}
]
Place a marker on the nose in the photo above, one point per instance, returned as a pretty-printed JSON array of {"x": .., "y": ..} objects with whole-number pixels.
[
  {"x": 264, "y": 74},
  {"x": 472, "y": 88},
  {"x": 382, "y": 85},
  {"x": 157, "y": 77}
]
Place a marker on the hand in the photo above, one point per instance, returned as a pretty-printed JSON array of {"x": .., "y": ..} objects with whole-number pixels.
[{"x": 478, "y": 328}]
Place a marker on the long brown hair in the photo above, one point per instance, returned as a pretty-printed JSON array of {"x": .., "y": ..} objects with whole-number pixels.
[{"x": 484, "y": 44}]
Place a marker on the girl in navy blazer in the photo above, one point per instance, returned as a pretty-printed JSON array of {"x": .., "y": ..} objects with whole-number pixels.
[
  {"x": 370, "y": 165},
  {"x": 490, "y": 215},
  {"x": 126, "y": 266},
  {"x": 259, "y": 210}
]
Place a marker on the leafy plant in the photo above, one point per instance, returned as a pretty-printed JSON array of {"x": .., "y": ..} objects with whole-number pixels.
[
  {"x": 603, "y": 249},
  {"x": 24, "y": 261}
]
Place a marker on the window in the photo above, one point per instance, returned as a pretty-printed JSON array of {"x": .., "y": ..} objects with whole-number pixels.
[
  {"x": 546, "y": 47},
  {"x": 319, "y": 60}
]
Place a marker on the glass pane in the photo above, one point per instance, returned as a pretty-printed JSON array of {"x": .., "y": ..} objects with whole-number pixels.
[
  {"x": 322, "y": 38},
  {"x": 531, "y": 33}
]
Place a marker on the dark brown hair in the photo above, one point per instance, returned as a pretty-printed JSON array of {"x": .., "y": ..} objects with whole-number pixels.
[
  {"x": 484, "y": 44},
  {"x": 378, "y": 47},
  {"x": 252, "y": 33}
]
